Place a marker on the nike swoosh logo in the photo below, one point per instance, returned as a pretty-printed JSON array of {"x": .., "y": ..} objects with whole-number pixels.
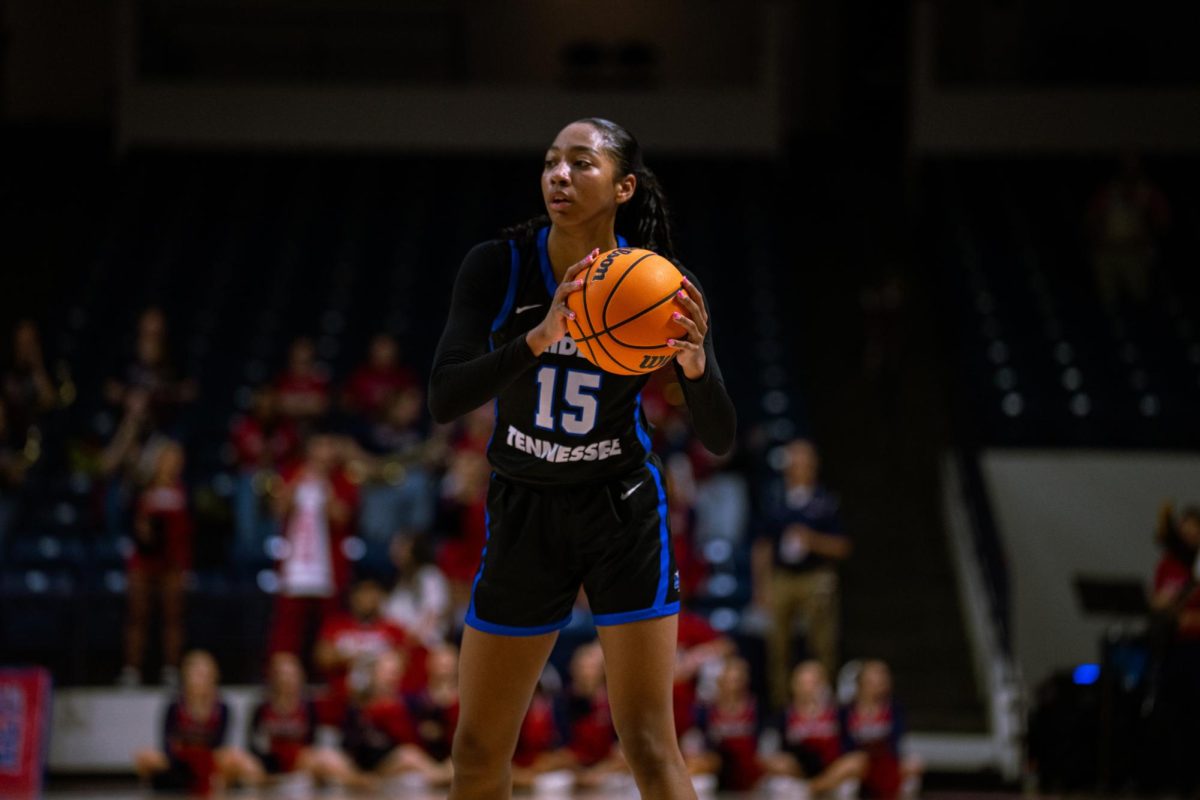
[
  {"x": 628, "y": 492},
  {"x": 521, "y": 309}
]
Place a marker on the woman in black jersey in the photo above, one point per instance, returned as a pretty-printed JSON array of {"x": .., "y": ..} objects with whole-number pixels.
[{"x": 576, "y": 494}]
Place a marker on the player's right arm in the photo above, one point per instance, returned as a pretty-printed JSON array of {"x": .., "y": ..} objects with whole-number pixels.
[{"x": 465, "y": 373}]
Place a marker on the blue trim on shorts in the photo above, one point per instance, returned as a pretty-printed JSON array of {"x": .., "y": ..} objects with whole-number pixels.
[
  {"x": 642, "y": 434},
  {"x": 634, "y": 616},
  {"x": 487, "y": 535},
  {"x": 513, "y": 630},
  {"x": 664, "y": 560}
]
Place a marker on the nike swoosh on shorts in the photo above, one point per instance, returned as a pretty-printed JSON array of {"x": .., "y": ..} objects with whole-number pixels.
[
  {"x": 521, "y": 309},
  {"x": 630, "y": 491}
]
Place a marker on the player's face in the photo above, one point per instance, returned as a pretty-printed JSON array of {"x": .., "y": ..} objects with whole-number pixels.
[{"x": 579, "y": 180}]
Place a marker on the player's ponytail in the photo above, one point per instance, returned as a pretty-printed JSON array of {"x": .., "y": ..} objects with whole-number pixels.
[{"x": 644, "y": 219}]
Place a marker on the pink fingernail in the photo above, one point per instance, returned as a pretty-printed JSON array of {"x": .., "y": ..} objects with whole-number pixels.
[
  {"x": 671, "y": 342},
  {"x": 681, "y": 293},
  {"x": 579, "y": 282},
  {"x": 571, "y": 315}
]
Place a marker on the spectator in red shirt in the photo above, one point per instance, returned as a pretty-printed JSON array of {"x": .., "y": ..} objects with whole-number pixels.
[
  {"x": 591, "y": 737},
  {"x": 193, "y": 757},
  {"x": 349, "y": 645},
  {"x": 540, "y": 743},
  {"x": 303, "y": 387},
  {"x": 873, "y": 725},
  {"x": 263, "y": 443},
  {"x": 379, "y": 739},
  {"x": 1176, "y": 600},
  {"x": 316, "y": 504},
  {"x": 812, "y": 746},
  {"x": 381, "y": 377},
  {"x": 162, "y": 555},
  {"x": 464, "y": 497},
  {"x": 730, "y": 726}
]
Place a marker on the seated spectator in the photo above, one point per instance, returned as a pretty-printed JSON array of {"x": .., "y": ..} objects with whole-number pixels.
[
  {"x": 699, "y": 647},
  {"x": 303, "y": 387},
  {"x": 264, "y": 442},
  {"x": 349, "y": 645},
  {"x": 151, "y": 371},
  {"x": 380, "y": 378},
  {"x": 379, "y": 738},
  {"x": 591, "y": 737},
  {"x": 730, "y": 727},
  {"x": 434, "y": 707},
  {"x": 420, "y": 598},
  {"x": 540, "y": 743},
  {"x": 194, "y": 757},
  {"x": 812, "y": 744},
  {"x": 27, "y": 388},
  {"x": 315, "y": 505},
  {"x": 873, "y": 725},
  {"x": 283, "y": 726},
  {"x": 162, "y": 555}
]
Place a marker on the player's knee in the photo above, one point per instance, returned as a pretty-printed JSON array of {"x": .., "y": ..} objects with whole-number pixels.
[
  {"x": 645, "y": 750},
  {"x": 474, "y": 751}
]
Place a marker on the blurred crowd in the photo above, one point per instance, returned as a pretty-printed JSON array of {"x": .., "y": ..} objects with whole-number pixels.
[{"x": 364, "y": 522}]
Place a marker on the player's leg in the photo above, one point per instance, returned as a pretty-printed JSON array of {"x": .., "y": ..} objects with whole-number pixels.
[
  {"x": 639, "y": 660},
  {"x": 497, "y": 675}
]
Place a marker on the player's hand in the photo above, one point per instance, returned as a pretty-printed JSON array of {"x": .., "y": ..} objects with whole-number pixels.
[
  {"x": 695, "y": 321},
  {"x": 554, "y": 326}
]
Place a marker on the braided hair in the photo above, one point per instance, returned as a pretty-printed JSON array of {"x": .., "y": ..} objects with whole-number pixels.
[{"x": 644, "y": 220}]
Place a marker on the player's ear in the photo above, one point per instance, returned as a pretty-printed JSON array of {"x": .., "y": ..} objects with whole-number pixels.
[{"x": 626, "y": 187}]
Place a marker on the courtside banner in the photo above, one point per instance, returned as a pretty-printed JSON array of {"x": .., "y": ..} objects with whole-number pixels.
[{"x": 24, "y": 731}]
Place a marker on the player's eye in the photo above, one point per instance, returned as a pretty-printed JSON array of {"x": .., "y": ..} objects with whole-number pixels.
[{"x": 583, "y": 164}]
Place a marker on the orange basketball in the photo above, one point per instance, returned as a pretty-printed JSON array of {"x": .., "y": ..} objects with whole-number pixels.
[{"x": 623, "y": 312}]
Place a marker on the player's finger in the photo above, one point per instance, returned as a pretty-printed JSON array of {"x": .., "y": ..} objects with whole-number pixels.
[
  {"x": 565, "y": 288},
  {"x": 682, "y": 344},
  {"x": 692, "y": 328},
  {"x": 581, "y": 265},
  {"x": 693, "y": 309},
  {"x": 696, "y": 296},
  {"x": 565, "y": 310}
]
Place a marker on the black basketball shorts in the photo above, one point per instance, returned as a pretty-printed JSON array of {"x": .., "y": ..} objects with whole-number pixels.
[{"x": 543, "y": 542}]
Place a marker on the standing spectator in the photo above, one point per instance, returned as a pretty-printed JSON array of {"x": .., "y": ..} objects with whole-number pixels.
[
  {"x": 193, "y": 757},
  {"x": 420, "y": 598},
  {"x": 380, "y": 378},
  {"x": 303, "y": 387},
  {"x": 1176, "y": 602},
  {"x": 151, "y": 372},
  {"x": 27, "y": 389},
  {"x": 794, "y": 563},
  {"x": 263, "y": 443},
  {"x": 402, "y": 499},
  {"x": 162, "y": 555},
  {"x": 1126, "y": 218},
  {"x": 283, "y": 726},
  {"x": 316, "y": 505},
  {"x": 873, "y": 724},
  {"x": 812, "y": 744},
  {"x": 350, "y": 644},
  {"x": 730, "y": 725}
]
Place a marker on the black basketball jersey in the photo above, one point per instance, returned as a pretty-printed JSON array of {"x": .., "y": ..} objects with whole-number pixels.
[{"x": 565, "y": 420}]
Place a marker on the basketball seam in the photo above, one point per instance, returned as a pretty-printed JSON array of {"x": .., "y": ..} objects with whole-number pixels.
[{"x": 617, "y": 285}]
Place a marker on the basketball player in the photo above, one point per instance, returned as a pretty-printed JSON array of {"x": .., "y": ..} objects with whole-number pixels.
[{"x": 576, "y": 496}]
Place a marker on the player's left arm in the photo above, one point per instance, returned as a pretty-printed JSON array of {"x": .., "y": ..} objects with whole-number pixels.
[{"x": 712, "y": 410}]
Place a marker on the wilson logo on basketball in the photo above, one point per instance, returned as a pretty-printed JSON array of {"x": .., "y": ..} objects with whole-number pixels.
[
  {"x": 653, "y": 362},
  {"x": 602, "y": 269}
]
